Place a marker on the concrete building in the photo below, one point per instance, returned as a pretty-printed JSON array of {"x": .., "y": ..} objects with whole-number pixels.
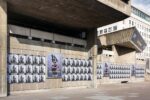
[
  {"x": 138, "y": 19},
  {"x": 54, "y": 44}
]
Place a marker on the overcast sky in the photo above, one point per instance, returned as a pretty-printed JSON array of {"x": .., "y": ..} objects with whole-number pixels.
[{"x": 144, "y": 5}]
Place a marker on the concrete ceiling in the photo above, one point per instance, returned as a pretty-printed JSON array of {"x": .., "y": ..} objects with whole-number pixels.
[{"x": 83, "y": 14}]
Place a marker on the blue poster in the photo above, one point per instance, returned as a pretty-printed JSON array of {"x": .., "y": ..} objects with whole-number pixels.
[
  {"x": 106, "y": 69},
  {"x": 54, "y": 65}
]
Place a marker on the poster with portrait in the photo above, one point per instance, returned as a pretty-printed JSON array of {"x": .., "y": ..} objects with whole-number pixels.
[
  {"x": 106, "y": 69},
  {"x": 54, "y": 65},
  {"x": 133, "y": 70}
]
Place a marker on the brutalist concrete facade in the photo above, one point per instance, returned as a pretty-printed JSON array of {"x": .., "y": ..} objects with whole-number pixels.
[{"x": 79, "y": 15}]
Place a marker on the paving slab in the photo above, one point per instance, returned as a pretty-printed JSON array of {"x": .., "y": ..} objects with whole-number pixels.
[{"x": 134, "y": 91}]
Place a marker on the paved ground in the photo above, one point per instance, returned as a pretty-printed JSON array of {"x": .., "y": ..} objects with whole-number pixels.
[{"x": 138, "y": 91}]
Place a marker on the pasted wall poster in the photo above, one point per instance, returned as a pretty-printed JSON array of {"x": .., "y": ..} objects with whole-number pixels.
[
  {"x": 106, "y": 69},
  {"x": 54, "y": 65}
]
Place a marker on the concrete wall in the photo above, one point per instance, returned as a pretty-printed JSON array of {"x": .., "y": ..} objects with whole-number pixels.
[
  {"x": 124, "y": 55},
  {"x": 3, "y": 48},
  {"x": 26, "y": 46},
  {"x": 121, "y": 55},
  {"x": 29, "y": 32},
  {"x": 105, "y": 58}
]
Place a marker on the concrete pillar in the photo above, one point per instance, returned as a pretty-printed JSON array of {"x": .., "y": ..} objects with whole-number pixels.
[
  {"x": 115, "y": 53},
  {"x": 92, "y": 47},
  {"x": 3, "y": 48}
]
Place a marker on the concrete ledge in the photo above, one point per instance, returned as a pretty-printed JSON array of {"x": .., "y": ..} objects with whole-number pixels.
[{"x": 1, "y": 95}]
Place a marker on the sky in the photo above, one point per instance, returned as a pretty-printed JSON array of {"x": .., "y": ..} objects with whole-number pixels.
[{"x": 143, "y": 5}]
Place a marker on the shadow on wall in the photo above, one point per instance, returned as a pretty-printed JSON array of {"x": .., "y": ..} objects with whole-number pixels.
[
  {"x": 51, "y": 44},
  {"x": 123, "y": 50}
]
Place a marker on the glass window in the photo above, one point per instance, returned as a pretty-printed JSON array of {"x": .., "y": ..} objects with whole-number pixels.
[
  {"x": 110, "y": 29},
  {"x": 115, "y": 27},
  {"x": 141, "y": 14},
  {"x": 129, "y": 21},
  {"x": 132, "y": 23},
  {"x": 105, "y": 30},
  {"x": 101, "y": 31}
]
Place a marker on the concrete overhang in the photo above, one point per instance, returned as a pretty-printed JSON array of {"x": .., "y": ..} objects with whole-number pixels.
[
  {"x": 129, "y": 38},
  {"x": 82, "y": 14}
]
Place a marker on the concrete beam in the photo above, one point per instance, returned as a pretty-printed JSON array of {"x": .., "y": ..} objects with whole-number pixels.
[{"x": 3, "y": 48}]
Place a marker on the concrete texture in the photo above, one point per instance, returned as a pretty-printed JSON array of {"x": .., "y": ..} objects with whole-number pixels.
[
  {"x": 76, "y": 14},
  {"x": 30, "y": 32},
  {"x": 138, "y": 91},
  {"x": 121, "y": 55},
  {"x": 72, "y": 13},
  {"x": 92, "y": 52},
  {"x": 125, "y": 38},
  {"x": 3, "y": 48},
  {"x": 31, "y": 47}
]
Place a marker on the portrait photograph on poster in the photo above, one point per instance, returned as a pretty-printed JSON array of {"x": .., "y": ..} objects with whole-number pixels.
[
  {"x": 106, "y": 69},
  {"x": 54, "y": 65}
]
